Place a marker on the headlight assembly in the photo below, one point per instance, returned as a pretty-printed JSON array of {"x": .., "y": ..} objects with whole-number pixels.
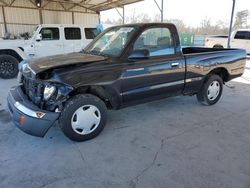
[{"x": 49, "y": 90}]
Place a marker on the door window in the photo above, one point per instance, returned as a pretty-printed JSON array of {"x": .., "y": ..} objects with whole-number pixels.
[
  {"x": 242, "y": 35},
  {"x": 50, "y": 33},
  {"x": 248, "y": 37},
  {"x": 91, "y": 33},
  {"x": 72, "y": 33},
  {"x": 158, "y": 41}
]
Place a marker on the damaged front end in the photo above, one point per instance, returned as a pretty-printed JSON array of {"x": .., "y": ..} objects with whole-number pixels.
[
  {"x": 45, "y": 93},
  {"x": 35, "y": 104}
]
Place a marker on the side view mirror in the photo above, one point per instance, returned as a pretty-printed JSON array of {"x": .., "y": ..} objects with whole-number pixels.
[
  {"x": 139, "y": 54},
  {"x": 39, "y": 37}
]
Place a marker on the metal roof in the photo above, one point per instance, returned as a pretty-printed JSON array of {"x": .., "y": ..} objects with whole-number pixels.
[
  {"x": 100, "y": 5},
  {"x": 70, "y": 5}
]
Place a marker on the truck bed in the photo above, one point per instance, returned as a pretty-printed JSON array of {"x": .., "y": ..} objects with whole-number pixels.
[{"x": 201, "y": 61}]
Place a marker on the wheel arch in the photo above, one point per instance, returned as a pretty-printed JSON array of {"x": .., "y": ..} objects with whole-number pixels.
[
  {"x": 222, "y": 72},
  {"x": 12, "y": 53},
  {"x": 108, "y": 96}
]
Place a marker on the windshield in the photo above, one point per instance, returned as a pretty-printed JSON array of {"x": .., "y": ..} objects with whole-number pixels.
[{"x": 112, "y": 42}]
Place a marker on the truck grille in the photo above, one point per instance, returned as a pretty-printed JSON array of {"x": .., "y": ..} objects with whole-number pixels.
[{"x": 33, "y": 90}]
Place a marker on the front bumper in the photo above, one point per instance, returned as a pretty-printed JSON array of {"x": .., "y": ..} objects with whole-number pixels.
[{"x": 28, "y": 117}]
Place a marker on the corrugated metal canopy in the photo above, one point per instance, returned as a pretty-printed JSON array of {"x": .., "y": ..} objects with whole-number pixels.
[
  {"x": 70, "y": 5},
  {"x": 100, "y": 5}
]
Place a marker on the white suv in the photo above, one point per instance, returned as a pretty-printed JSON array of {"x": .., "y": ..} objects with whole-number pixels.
[{"x": 47, "y": 40}]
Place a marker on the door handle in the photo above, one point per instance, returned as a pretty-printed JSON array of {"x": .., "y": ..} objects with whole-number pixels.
[{"x": 175, "y": 64}]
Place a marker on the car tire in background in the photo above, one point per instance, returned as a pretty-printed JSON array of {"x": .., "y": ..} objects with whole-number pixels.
[
  {"x": 83, "y": 117},
  {"x": 218, "y": 46},
  {"x": 8, "y": 66},
  {"x": 211, "y": 90}
]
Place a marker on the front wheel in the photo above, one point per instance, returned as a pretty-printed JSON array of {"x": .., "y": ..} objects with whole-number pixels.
[
  {"x": 211, "y": 90},
  {"x": 83, "y": 117},
  {"x": 8, "y": 66}
]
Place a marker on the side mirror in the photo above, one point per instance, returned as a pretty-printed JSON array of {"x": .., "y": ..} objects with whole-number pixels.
[
  {"x": 139, "y": 54},
  {"x": 39, "y": 37}
]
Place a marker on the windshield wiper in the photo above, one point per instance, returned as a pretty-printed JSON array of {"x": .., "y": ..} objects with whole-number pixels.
[{"x": 94, "y": 52}]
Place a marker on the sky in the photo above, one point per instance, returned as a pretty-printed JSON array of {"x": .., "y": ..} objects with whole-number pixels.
[{"x": 190, "y": 11}]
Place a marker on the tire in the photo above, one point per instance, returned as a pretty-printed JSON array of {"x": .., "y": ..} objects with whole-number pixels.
[
  {"x": 218, "y": 46},
  {"x": 83, "y": 117},
  {"x": 8, "y": 66},
  {"x": 211, "y": 90}
]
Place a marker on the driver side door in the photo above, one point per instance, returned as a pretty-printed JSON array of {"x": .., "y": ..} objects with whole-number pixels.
[{"x": 157, "y": 76}]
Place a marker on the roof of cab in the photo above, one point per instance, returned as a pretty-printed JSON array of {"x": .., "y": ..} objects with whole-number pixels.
[{"x": 146, "y": 24}]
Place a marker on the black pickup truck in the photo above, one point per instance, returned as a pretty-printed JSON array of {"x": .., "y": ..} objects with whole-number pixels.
[{"x": 125, "y": 65}]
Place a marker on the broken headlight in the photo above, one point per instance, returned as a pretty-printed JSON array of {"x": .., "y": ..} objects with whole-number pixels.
[{"x": 49, "y": 90}]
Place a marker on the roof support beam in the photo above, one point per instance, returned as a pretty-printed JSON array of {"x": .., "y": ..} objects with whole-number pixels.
[
  {"x": 62, "y": 5},
  {"x": 101, "y": 4},
  {"x": 122, "y": 15},
  {"x": 80, "y": 4},
  {"x": 48, "y": 2},
  {"x": 110, "y": 4},
  {"x": 90, "y": 6},
  {"x": 74, "y": 5},
  {"x": 13, "y": 1},
  {"x": 2, "y": 1},
  {"x": 231, "y": 25}
]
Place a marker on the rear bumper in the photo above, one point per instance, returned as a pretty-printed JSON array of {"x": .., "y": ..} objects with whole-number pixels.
[{"x": 28, "y": 117}]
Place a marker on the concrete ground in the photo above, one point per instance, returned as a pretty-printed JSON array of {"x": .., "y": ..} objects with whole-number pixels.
[{"x": 174, "y": 142}]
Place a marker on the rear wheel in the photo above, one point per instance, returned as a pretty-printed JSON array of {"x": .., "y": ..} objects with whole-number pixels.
[
  {"x": 83, "y": 117},
  {"x": 211, "y": 90},
  {"x": 8, "y": 66}
]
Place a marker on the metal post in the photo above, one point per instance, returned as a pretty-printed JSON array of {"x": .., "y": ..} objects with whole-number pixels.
[
  {"x": 4, "y": 20},
  {"x": 123, "y": 15},
  {"x": 41, "y": 15},
  {"x": 231, "y": 25},
  {"x": 73, "y": 18},
  {"x": 162, "y": 10}
]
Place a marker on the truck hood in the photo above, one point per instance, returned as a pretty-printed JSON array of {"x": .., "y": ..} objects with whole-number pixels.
[{"x": 47, "y": 63}]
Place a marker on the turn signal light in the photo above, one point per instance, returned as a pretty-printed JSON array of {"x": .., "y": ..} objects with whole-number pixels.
[
  {"x": 40, "y": 114},
  {"x": 21, "y": 120}
]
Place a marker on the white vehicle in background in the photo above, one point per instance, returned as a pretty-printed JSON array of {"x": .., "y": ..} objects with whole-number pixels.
[
  {"x": 240, "y": 39},
  {"x": 47, "y": 40}
]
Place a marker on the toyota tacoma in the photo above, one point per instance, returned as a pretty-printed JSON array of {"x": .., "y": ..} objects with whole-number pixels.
[{"x": 124, "y": 66}]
